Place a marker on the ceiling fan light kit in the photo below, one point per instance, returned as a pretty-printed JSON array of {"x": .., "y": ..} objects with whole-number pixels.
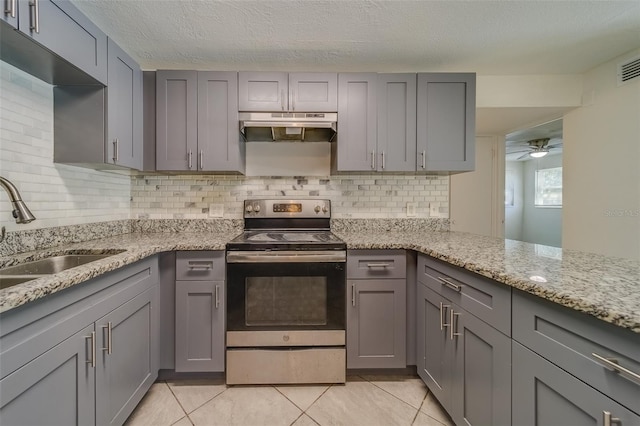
[{"x": 539, "y": 154}]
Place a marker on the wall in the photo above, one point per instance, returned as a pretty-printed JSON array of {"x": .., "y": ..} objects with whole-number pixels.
[
  {"x": 513, "y": 214},
  {"x": 56, "y": 194},
  {"x": 602, "y": 166},
  {"x": 540, "y": 225},
  {"x": 352, "y": 195}
]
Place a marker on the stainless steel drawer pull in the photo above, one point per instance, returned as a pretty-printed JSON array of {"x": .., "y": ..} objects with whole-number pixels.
[
  {"x": 10, "y": 8},
  {"x": 108, "y": 328},
  {"x": 378, "y": 265},
  {"x": 450, "y": 284},
  {"x": 608, "y": 419},
  {"x": 443, "y": 315},
  {"x": 613, "y": 364},
  {"x": 92, "y": 337},
  {"x": 453, "y": 322},
  {"x": 217, "y": 296},
  {"x": 200, "y": 264}
]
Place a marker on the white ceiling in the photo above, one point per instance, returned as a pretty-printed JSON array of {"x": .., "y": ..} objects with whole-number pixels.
[{"x": 486, "y": 37}]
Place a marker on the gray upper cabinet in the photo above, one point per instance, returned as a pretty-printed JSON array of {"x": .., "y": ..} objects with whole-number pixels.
[
  {"x": 281, "y": 91},
  {"x": 124, "y": 109},
  {"x": 357, "y": 122},
  {"x": 446, "y": 122},
  {"x": 60, "y": 27},
  {"x": 197, "y": 122},
  {"x": 396, "y": 122}
]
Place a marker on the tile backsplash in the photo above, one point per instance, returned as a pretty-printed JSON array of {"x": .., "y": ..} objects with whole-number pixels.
[
  {"x": 57, "y": 194},
  {"x": 352, "y": 195}
]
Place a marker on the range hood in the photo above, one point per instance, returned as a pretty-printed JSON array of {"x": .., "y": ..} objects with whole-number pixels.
[{"x": 288, "y": 126}]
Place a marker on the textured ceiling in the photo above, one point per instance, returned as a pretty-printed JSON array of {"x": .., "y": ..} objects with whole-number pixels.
[{"x": 487, "y": 37}]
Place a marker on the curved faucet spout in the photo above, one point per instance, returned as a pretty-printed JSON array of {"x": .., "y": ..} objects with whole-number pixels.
[{"x": 20, "y": 211}]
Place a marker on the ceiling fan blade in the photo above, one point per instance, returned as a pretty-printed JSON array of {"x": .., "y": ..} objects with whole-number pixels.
[
  {"x": 523, "y": 155},
  {"x": 555, "y": 145},
  {"x": 520, "y": 150}
]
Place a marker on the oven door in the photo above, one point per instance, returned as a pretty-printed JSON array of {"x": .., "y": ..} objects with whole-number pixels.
[{"x": 286, "y": 290}]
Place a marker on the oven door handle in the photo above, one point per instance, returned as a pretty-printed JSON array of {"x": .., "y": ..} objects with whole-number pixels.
[{"x": 287, "y": 256}]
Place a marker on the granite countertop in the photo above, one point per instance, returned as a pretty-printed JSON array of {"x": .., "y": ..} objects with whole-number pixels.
[{"x": 607, "y": 288}]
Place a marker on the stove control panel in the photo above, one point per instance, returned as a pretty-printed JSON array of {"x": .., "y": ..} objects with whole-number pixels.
[{"x": 287, "y": 208}]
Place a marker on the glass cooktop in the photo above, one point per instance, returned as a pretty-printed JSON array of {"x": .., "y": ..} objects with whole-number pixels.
[{"x": 284, "y": 239}]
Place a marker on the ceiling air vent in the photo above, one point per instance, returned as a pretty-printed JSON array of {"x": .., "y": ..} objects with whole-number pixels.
[{"x": 629, "y": 70}]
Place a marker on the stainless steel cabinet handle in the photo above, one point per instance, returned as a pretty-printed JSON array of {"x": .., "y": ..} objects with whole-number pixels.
[
  {"x": 450, "y": 284},
  {"x": 108, "y": 328},
  {"x": 353, "y": 295},
  {"x": 424, "y": 163},
  {"x": 92, "y": 337},
  {"x": 201, "y": 159},
  {"x": 382, "y": 155},
  {"x": 378, "y": 265},
  {"x": 453, "y": 322},
  {"x": 10, "y": 8},
  {"x": 293, "y": 100},
  {"x": 282, "y": 100},
  {"x": 115, "y": 150},
  {"x": 190, "y": 158},
  {"x": 443, "y": 314},
  {"x": 200, "y": 264},
  {"x": 34, "y": 16},
  {"x": 217, "y": 296},
  {"x": 613, "y": 363},
  {"x": 608, "y": 419},
  {"x": 373, "y": 159}
]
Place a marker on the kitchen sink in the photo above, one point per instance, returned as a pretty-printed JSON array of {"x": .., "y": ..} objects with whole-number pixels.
[
  {"x": 52, "y": 265},
  {"x": 6, "y": 282}
]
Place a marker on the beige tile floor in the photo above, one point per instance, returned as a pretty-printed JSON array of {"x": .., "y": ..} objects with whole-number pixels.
[{"x": 363, "y": 400}]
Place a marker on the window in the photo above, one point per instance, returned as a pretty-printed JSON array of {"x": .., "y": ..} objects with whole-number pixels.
[{"x": 549, "y": 187}]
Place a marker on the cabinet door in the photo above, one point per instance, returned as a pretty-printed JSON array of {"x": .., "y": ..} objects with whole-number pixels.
[
  {"x": 219, "y": 147},
  {"x": 57, "y": 388},
  {"x": 434, "y": 355},
  {"x": 357, "y": 122},
  {"x": 127, "y": 363},
  {"x": 200, "y": 326},
  {"x": 313, "y": 92},
  {"x": 263, "y": 91},
  {"x": 65, "y": 31},
  {"x": 124, "y": 109},
  {"x": 544, "y": 394},
  {"x": 176, "y": 120},
  {"x": 396, "y": 122},
  {"x": 376, "y": 324},
  {"x": 482, "y": 371},
  {"x": 446, "y": 122}
]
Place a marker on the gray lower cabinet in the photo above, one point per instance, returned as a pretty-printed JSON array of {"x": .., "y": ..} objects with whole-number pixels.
[
  {"x": 465, "y": 361},
  {"x": 446, "y": 122},
  {"x": 376, "y": 309},
  {"x": 83, "y": 356},
  {"x": 544, "y": 394},
  {"x": 200, "y": 311},
  {"x": 197, "y": 121}
]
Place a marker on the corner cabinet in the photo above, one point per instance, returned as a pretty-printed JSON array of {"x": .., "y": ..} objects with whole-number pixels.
[
  {"x": 197, "y": 121},
  {"x": 463, "y": 357},
  {"x": 83, "y": 356},
  {"x": 376, "y": 309},
  {"x": 446, "y": 122},
  {"x": 200, "y": 311},
  {"x": 281, "y": 91}
]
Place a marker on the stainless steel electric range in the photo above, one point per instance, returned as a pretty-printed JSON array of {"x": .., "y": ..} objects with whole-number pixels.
[{"x": 286, "y": 296}]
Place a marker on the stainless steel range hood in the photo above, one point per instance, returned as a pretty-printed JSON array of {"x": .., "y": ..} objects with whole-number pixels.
[{"x": 288, "y": 126}]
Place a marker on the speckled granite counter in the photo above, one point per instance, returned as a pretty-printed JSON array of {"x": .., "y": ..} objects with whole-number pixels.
[{"x": 607, "y": 288}]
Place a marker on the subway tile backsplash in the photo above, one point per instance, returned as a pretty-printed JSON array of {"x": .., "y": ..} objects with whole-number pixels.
[{"x": 351, "y": 195}]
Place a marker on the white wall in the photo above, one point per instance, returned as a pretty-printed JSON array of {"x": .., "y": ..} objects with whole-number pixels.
[
  {"x": 56, "y": 194},
  {"x": 602, "y": 166},
  {"x": 540, "y": 225},
  {"x": 513, "y": 214}
]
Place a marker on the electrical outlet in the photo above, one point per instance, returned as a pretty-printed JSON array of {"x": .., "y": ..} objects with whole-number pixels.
[
  {"x": 216, "y": 210},
  {"x": 434, "y": 209},
  {"x": 411, "y": 209}
]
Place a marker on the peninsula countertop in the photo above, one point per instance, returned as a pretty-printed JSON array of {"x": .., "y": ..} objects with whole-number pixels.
[{"x": 604, "y": 287}]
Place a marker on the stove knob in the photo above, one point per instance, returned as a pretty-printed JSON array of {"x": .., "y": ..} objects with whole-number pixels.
[
  {"x": 324, "y": 209},
  {"x": 316, "y": 209},
  {"x": 256, "y": 208},
  {"x": 249, "y": 208}
]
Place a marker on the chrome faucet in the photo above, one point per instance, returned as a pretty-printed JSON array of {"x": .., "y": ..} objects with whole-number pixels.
[{"x": 20, "y": 211}]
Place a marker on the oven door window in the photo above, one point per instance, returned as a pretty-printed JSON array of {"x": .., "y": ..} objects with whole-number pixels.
[{"x": 285, "y": 301}]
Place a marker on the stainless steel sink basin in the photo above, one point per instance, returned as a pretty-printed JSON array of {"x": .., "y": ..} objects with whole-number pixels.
[
  {"x": 6, "y": 282},
  {"x": 52, "y": 265}
]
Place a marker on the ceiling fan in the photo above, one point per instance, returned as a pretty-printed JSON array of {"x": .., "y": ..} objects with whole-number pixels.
[{"x": 536, "y": 148}]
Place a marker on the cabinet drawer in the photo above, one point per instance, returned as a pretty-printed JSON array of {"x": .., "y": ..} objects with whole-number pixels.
[
  {"x": 569, "y": 338},
  {"x": 376, "y": 264},
  {"x": 488, "y": 300},
  {"x": 200, "y": 265}
]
